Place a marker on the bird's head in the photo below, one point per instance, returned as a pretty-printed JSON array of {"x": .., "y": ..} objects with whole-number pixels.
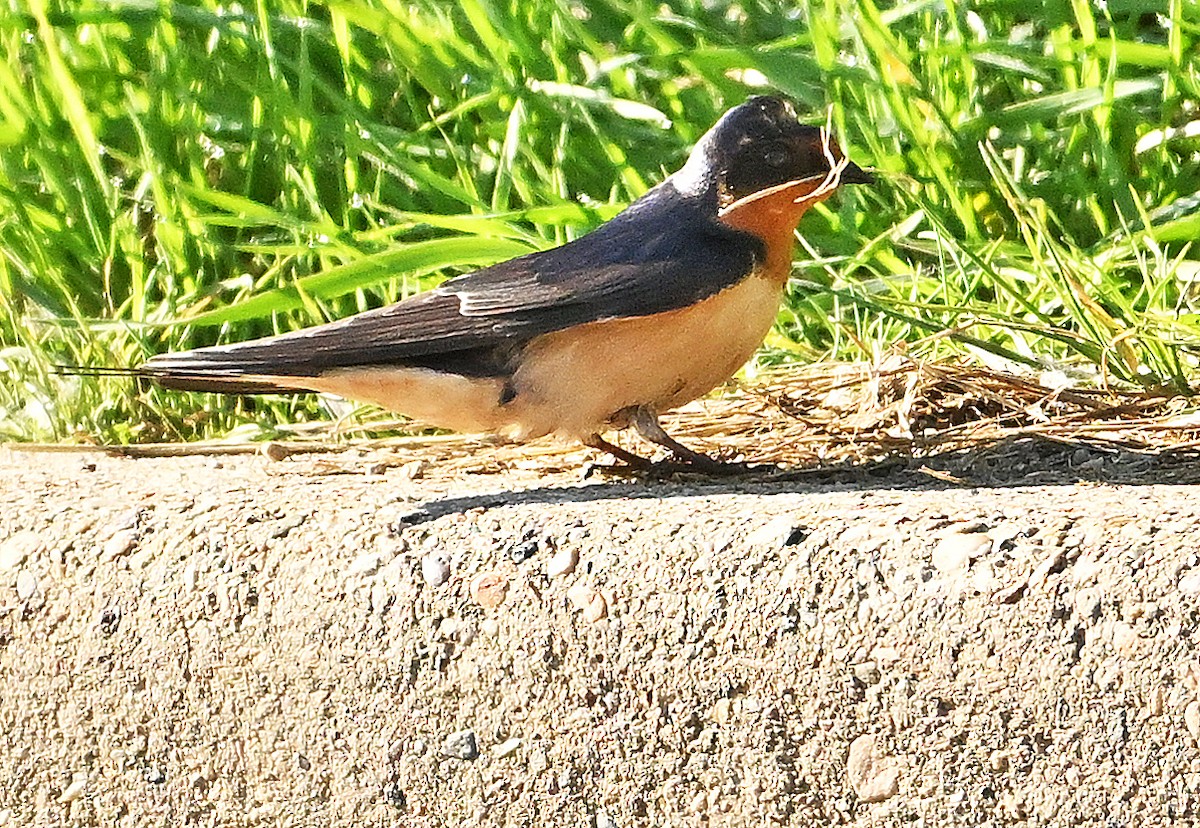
[{"x": 760, "y": 146}]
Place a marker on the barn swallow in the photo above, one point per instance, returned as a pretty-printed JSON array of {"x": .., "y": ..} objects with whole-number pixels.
[{"x": 651, "y": 310}]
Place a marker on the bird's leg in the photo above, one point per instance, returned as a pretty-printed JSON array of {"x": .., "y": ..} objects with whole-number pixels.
[
  {"x": 630, "y": 459},
  {"x": 645, "y": 422}
]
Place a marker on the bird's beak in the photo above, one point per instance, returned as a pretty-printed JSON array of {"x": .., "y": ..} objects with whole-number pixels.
[{"x": 854, "y": 174}]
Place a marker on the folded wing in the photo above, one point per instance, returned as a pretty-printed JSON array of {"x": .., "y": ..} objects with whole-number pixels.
[{"x": 662, "y": 253}]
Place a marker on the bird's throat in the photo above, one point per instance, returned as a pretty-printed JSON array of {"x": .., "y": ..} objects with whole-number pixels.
[{"x": 773, "y": 215}]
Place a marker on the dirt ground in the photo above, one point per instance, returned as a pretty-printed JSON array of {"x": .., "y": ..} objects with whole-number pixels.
[{"x": 359, "y": 639}]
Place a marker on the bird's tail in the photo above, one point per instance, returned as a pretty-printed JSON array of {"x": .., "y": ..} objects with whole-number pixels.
[{"x": 189, "y": 371}]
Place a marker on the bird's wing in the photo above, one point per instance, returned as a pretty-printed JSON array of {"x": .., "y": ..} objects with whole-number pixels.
[{"x": 660, "y": 254}]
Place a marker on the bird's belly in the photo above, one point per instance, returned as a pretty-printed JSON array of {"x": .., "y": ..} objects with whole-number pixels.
[
  {"x": 572, "y": 382},
  {"x": 435, "y": 398}
]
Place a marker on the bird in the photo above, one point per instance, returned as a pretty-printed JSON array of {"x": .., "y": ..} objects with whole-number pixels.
[{"x": 652, "y": 309}]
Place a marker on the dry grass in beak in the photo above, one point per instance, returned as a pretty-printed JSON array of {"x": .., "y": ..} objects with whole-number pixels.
[{"x": 832, "y": 179}]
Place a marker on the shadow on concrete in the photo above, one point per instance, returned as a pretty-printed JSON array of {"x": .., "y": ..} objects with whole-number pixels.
[{"x": 1011, "y": 463}]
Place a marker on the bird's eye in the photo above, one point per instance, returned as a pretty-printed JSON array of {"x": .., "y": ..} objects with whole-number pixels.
[{"x": 776, "y": 158}]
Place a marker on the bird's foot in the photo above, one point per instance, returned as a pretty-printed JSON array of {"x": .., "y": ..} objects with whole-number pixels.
[
  {"x": 645, "y": 421},
  {"x": 681, "y": 461}
]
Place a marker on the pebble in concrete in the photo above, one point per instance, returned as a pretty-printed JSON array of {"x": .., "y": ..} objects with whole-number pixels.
[
  {"x": 507, "y": 748},
  {"x": 74, "y": 790},
  {"x": 489, "y": 589},
  {"x": 563, "y": 563},
  {"x": 871, "y": 772},
  {"x": 955, "y": 552},
  {"x": 588, "y": 601},
  {"x": 434, "y": 570},
  {"x": 27, "y": 584},
  {"x": 15, "y": 549},
  {"x": 461, "y": 745}
]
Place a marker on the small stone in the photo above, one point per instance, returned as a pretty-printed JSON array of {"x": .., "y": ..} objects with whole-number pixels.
[
  {"x": 867, "y": 672},
  {"x": 1189, "y": 584},
  {"x": 74, "y": 790},
  {"x": 393, "y": 794},
  {"x": 1004, "y": 534},
  {"x": 128, "y": 519},
  {"x": 885, "y": 655},
  {"x": 1087, "y": 605},
  {"x": 1086, "y": 567},
  {"x": 5, "y": 816},
  {"x": 873, "y": 775},
  {"x": 955, "y": 552},
  {"x": 1125, "y": 639},
  {"x": 1156, "y": 702},
  {"x": 1191, "y": 718},
  {"x": 413, "y": 469},
  {"x": 795, "y": 574},
  {"x": 27, "y": 584},
  {"x": 563, "y": 562},
  {"x": 580, "y": 595},
  {"x": 776, "y": 533},
  {"x": 461, "y": 745},
  {"x": 983, "y": 578},
  {"x": 522, "y": 551},
  {"x": 109, "y": 620},
  {"x": 15, "y": 549},
  {"x": 274, "y": 451},
  {"x": 1011, "y": 593},
  {"x": 379, "y": 599},
  {"x": 434, "y": 570},
  {"x": 121, "y": 543},
  {"x": 587, "y": 600},
  {"x": 507, "y": 748},
  {"x": 489, "y": 589},
  {"x": 1051, "y": 563},
  {"x": 596, "y": 610},
  {"x": 603, "y": 820},
  {"x": 998, "y": 761},
  {"x": 155, "y": 776},
  {"x": 365, "y": 564}
]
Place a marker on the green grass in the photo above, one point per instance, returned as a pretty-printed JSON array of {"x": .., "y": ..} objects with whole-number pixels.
[{"x": 175, "y": 175}]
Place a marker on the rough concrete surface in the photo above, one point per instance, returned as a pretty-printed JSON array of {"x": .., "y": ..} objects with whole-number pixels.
[{"x": 353, "y": 640}]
